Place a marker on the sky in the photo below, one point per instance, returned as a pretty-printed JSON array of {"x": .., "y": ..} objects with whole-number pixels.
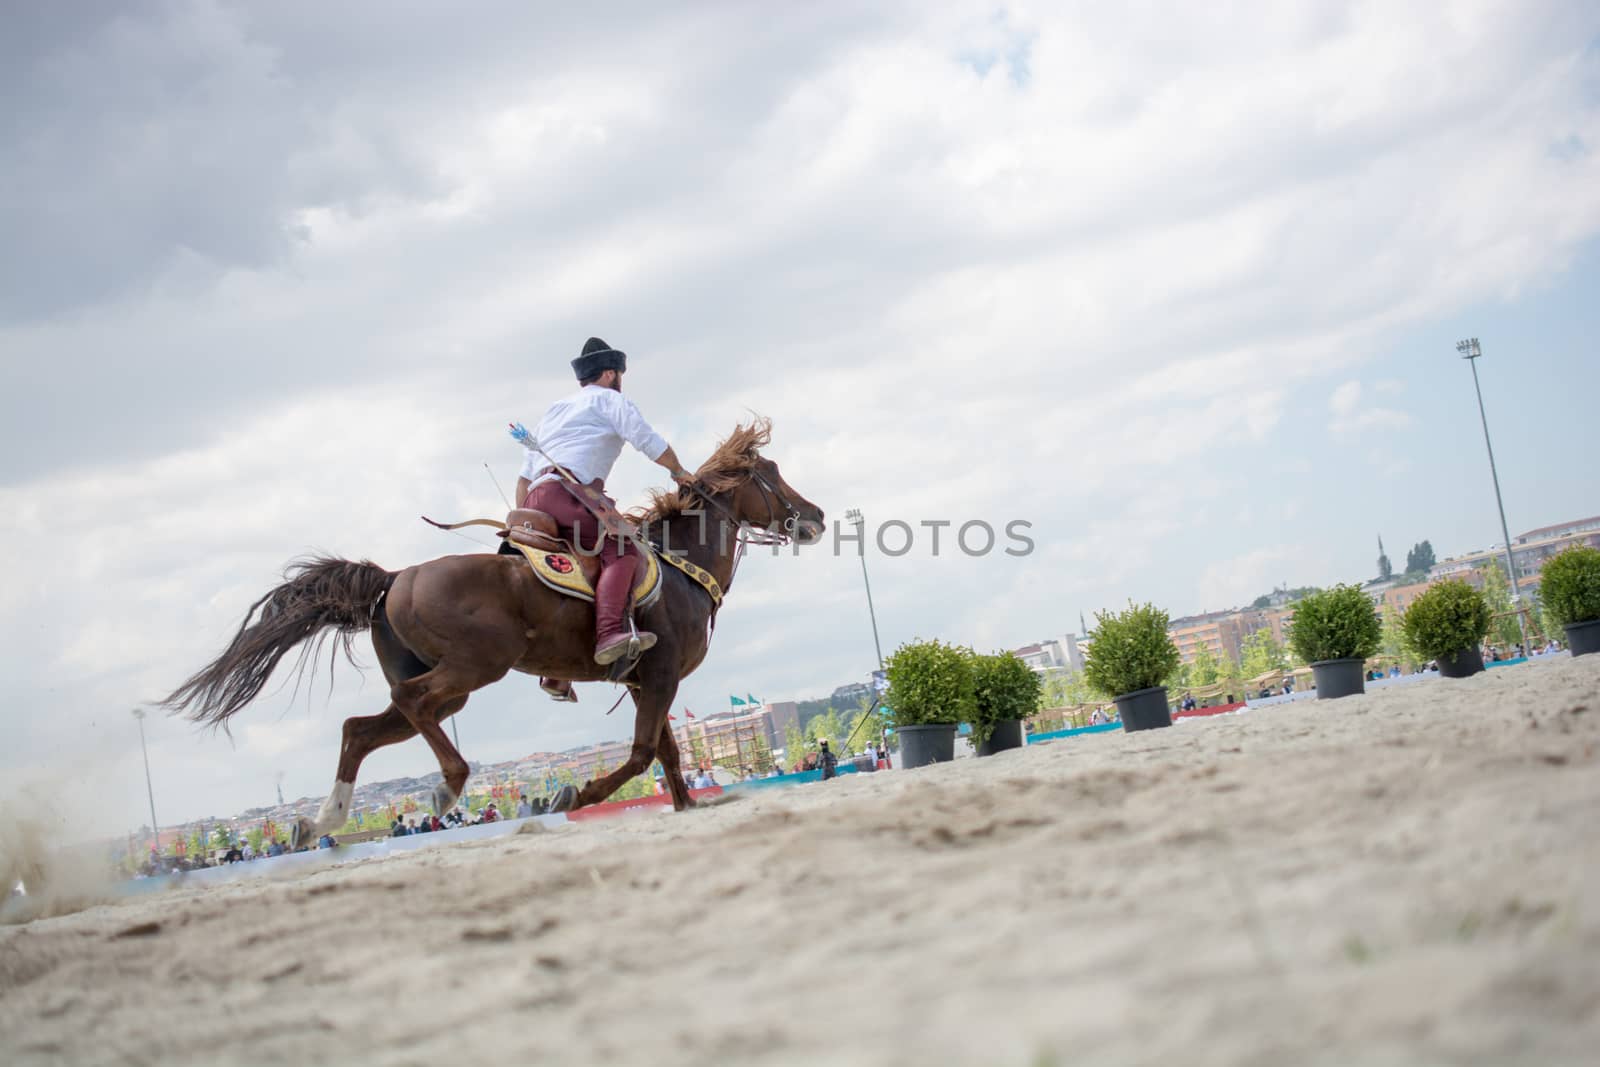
[{"x": 1179, "y": 288}]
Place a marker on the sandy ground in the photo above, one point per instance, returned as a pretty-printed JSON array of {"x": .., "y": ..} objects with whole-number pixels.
[{"x": 1407, "y": 877}]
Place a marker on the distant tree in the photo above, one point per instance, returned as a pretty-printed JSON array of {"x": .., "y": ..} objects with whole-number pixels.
[
  {"x": 1420, "y": 559},
  {"x": 640, "y": 785},
  {"x": 806, "y": 710},
  {"x": 1262, "y": 653},
  {"x": 1065, "y": 689},
  {"x": 864, "y": 726},
  {"x": 1538, "y": 625},
  {"x": 794, "y": 744},
  {"x": 1265, "y": 600},
  {"x": 1385, "y": 569},
  {"x": 826, "y": 725},
  {"x": 1394, "y": 648},
  {"x": 1503, "y": 631},
  {"x": 759, "y": 754},
  {"x": 1205, "y": 668}
]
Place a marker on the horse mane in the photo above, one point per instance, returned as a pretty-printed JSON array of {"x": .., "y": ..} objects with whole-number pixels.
[{"x": 729, "y": 465}]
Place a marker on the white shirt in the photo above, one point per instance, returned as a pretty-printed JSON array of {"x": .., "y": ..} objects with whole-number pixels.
[{"x": 585, "y": 433}]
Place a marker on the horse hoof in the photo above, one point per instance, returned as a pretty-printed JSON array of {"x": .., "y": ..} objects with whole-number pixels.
[
  {"x": 301, "y": 835},
  {"x": 566, "y": 799},
  {"x": 443, "y": 800}
]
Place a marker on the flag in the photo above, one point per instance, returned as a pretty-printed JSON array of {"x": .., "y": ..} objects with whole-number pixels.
[
  {"x": 752, "y": 700},
  {"x": 735, "y": 700},
  {"x": 688, "y": 713},
  {"x": 671, "y": 716}
]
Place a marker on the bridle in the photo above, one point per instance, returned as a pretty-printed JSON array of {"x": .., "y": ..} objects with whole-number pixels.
[
  {"x": 791, "y": 525},
  {"x": 745, "y": 534},
  {"x": 755, "y": 535}
]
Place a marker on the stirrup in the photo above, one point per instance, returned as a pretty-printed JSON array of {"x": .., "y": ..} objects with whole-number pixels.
[
  {"x": 635, "y": 644},
  {"x": 561, "y": 692}
]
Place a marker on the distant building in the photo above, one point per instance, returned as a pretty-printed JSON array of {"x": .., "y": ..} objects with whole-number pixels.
[
  {"x": 1400, "y": 597},
  {"x": 732, "y": 739},
  {"x": 1220, "y": 631},
  {"x": 1052, "y": 654},
  {"x": 781, "y": 715},
  {"x": 1558, "y": 531},
  {"x": 847, "y": 695},
  {"x": 1529, "y": 551}
]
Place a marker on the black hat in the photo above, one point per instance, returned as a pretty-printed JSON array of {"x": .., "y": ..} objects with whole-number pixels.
[{"x": 599, "y": 356}]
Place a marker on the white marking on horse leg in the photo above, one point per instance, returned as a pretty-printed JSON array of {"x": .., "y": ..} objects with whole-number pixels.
[{"x": 336, "y": 808}]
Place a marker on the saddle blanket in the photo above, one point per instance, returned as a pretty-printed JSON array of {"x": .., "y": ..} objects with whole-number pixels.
[{"x": 562, "y": 572}]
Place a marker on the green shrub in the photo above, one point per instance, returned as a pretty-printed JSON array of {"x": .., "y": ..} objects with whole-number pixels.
[
  {"x": 1569, "y": 586},
  {"x": 1130, "y": 651},
  {"x": 1449, "y": 617},
  {"x": 1003, "y": 688},
  {"x": 1337, "y": 623},
  {"x": 929, "y": 682}
]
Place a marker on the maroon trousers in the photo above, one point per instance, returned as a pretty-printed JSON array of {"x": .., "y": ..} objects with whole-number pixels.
[{"x": 617, "y": 561}]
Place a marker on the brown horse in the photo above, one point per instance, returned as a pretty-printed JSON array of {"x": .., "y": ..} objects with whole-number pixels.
[{"x": 446, "y": 628}]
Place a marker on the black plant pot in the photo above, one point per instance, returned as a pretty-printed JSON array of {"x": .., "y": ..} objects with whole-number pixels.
[
  {"x": 1337, "y": 678},
  {"x": 1583, "y": 637},
  {"x": 1007, "y": 734},
  {"x": 1463, "y": 664},
  {"x": 933, "y": 742},
  {"x": 1145, "y": 709}
]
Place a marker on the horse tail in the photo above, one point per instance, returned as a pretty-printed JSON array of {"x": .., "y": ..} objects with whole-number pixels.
[{"x": 318, "y": 595}]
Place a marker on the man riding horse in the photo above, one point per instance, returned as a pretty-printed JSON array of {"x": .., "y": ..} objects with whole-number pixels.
[{"x": 583, "y": 434}]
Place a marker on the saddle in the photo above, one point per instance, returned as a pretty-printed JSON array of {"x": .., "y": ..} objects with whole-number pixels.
[{"x": 558, "y": 564}]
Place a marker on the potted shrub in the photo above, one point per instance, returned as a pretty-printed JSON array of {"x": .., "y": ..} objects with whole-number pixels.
[
  {"x": 1335, "y": 630},
  {"x": 1448, "y": 623},
  {"x": 1569, "y": 585},
  {"x": 930, "y": 691},
  {"x": 1130, "y": 659},
  {"x": 1005, "y": 691}
]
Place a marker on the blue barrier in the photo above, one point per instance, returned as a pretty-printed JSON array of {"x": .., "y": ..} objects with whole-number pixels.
[
  {"x": 1052, "y": 735},
  {"x": 845, "y": 767},
  {"x": 277, "y": 866}
]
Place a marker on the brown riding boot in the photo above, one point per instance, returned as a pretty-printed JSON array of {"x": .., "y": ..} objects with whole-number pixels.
[{"x": 612, "y": 633}]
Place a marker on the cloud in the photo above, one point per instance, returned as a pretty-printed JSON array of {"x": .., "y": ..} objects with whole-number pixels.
[
  {"x": 1351, "y": 416},
  {"x": 1236, "y": 581},
  {"x": 279, "y": 274}
]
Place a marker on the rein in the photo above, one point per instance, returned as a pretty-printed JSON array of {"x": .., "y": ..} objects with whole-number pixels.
[
  {"x": 745, "y": 535},
  {"x": 755, "y": 535}
]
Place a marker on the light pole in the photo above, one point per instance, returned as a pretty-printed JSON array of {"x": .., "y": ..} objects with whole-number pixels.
[
  {"x": 155, "y": 828},
  {"x": 853, "y": 516},
  {"x": 1470, "y": 351}
]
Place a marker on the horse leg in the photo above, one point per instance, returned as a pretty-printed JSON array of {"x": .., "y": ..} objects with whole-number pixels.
[
  {"x": 425, "y": 701},
  {"x": 363, "y": 735},
  {"x": 650, "y": 717},
  {"x": 672, "y": 766}
]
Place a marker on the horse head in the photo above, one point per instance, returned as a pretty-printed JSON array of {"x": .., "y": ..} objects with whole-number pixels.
[{"x": 757, "y": 493}]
